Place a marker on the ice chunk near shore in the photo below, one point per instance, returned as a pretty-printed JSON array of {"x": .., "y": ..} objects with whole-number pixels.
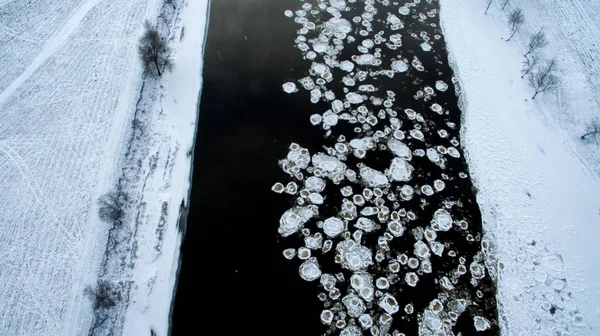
[
  {"x": 329, "y": 119},
  {"x": 309, "y": 270},
  {"x": 399, "y": 149},
  {"x": 346, "y": 66},
  {"x": 399, "y": 66},
  {"x": 330, "y": 166},
  {"x": 441, "y": 86},
  {"x": 362, "y": 282},
  {"x": 338, "y": 4},
  {"x": 373, "y": 178},
  {"x": 354, "y": 256},
  {"x": 299, "y": 156},
  {"x": 394, "y": 22},
  {"x": 442, "y": 221},
  {"x": 333, "y": 226},
  {"x": 316, "y": 119},
  {"x": 396, "y": 228},
  {"x": 366, "y": 321},
  {"x": 354, "y": 305},
  {"x": 354, "y": 98},
  {"x": 365, "y": 59},
  {"x": 439, "y": 185},
  {"x": 278, "y": 187},
  {"x": 289, "y": 253},
  {"x": 339, "y": 26},
  {"x": 400, "y": 170},
  {"x": 453, "y": 152},
  {"x": 411, "y": 279},
  {"x": 404, "y": 10},
  {"x": 421, "y": 250},
  {"x": 417, "y": 134},
  {"x": 481, "y": 323},
  {"x": 365, "y": 224},
  {"x": 351, "y": 331},
  {"x": 389, "y": 304},
  {"x": 427, "y": 190},
  {"x": 437, "y": 108},
  {"x": 289, "y": 87},
  {"x": 326, "y": 316},
  {"x": 315, "y": 184},
  {"x": 293, "y": 219}
]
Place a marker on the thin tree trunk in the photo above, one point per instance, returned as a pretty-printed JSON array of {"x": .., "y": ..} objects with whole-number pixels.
[
  {"x": 505, "y": 3},
  {"x": 536, "y": 93},
  {"x": 488, "y": 7},
  {"x": 157, "y": 68},
  {"x": 511, "y": 36}
]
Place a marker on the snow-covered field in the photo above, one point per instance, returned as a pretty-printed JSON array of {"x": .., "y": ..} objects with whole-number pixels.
[
  {"x": 70, "y": 89},
  {"x": 538, "y": 183}
]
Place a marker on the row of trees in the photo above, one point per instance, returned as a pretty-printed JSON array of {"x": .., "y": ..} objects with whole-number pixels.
[{"x": 542, "y": 75}]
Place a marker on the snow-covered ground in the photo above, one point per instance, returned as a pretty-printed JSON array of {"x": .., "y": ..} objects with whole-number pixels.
[
  {"x": 151, "y": 301},
  {"x": 537, "y": 182},
  {"x": 70, "y": 88}
]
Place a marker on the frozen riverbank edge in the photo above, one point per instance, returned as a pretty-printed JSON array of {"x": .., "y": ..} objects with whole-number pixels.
[
  {"x": 537, "y": 187},
  {"x": 177, "y": 106}
]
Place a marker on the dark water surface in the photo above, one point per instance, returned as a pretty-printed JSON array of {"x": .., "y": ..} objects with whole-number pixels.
[{"x": 233, "y": 275}]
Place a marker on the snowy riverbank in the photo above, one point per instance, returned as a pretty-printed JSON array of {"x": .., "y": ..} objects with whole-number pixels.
[
  {"x": 155, "y": 274},
  {"x": 77, "y": 117},
  {"x": 536, "y": 186}
]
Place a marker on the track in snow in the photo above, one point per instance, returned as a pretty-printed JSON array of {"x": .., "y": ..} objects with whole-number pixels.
[{"x": 66, "y": 70}]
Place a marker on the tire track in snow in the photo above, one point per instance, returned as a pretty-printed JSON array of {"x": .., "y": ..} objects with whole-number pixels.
[
  {"x": 5, "y": 2},
  {"x": 50, "y": 48},
  {"x": 12, "y": 33},
  {"x": 580, "y": 36},
  {"x": 27, "y": 176}
]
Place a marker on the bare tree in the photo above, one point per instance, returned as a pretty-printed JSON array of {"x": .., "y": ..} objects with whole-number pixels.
[
  {"x": 104, "y": 295},
  {"x": 536, "y": 41},
  {"x": 505, "y": 3},
  {"x": 592, "y": 129},
  {"x": 545, "y": 78},
  {"x": 112, "y": 206},
  {"x": 515, "y": 20},
  {"x": 488, "y": 6},
  {"x": 529, "y": 64},
  {"x": 154, "y": 51}
]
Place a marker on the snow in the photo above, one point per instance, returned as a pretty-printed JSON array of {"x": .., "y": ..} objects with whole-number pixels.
[
  {"x": 68, "y": 87},
  {"x": 537, "y": 183},
  {"x": 69, "y": 92}
]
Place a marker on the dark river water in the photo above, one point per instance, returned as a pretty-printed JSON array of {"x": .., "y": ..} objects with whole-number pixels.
[{"x": 233, "y": 278}]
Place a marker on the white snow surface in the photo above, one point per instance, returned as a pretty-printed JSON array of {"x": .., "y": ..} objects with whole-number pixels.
[
  {"x": 155, "y": 276},
  {"x": 69, "y": 86},
  {"x": 538, "y": 186}
]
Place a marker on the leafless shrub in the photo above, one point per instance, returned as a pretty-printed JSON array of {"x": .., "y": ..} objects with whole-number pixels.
[
  {"x": 536, "y": 42},
  {"x": 515, "y": 21},
  {"x": 112, "y": 206},
  {"x": 104, "y": 295},
  {"x": 592, "y": 129},
  {"x": 529, "y": 64},
  {"x": 154, "y": 51},
  {"x": 545, "y": 79}
]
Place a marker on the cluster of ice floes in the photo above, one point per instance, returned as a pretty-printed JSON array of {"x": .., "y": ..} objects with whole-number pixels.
[{"x": 375, "y": 199}]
